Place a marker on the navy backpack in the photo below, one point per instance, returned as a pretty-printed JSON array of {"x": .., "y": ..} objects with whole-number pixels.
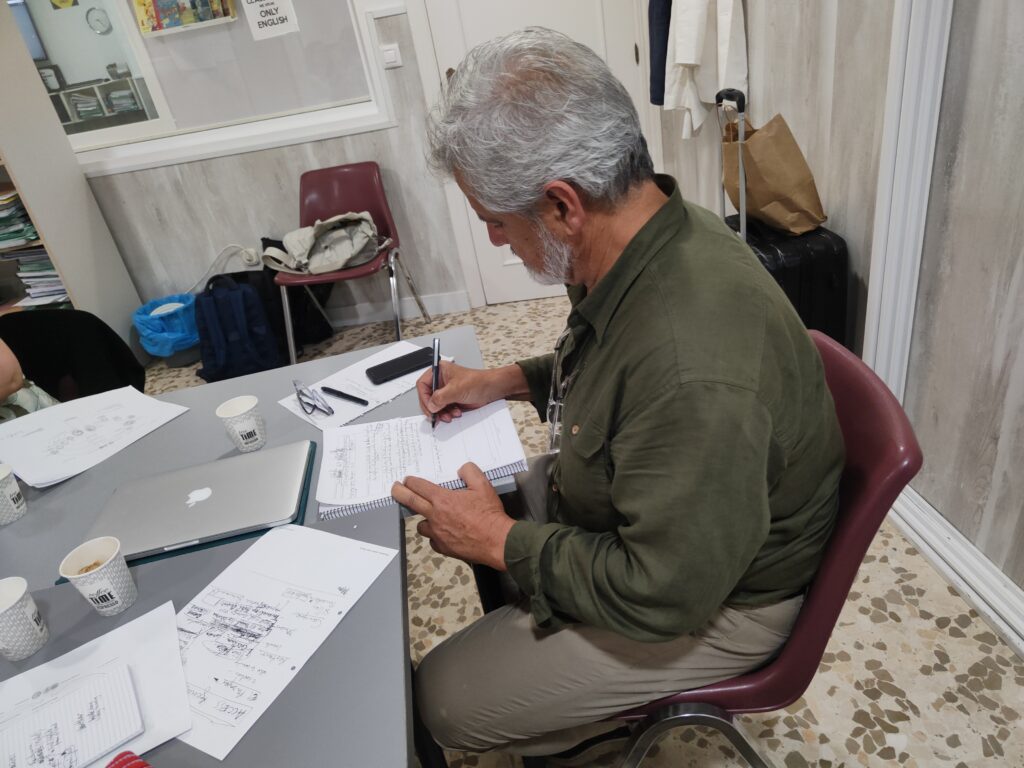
[{"x": 235, "y": 337}]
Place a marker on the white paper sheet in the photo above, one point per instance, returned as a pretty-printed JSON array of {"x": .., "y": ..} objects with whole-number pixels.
[
  {"x": 71, "y": 721},
  {"x": 353, "y": 381},
  {"x": 362, "y": 461},
  {"x": 246, "y": 635},
  {"x": 64, "y": 440},
  {"x": 149, "y": 647}
]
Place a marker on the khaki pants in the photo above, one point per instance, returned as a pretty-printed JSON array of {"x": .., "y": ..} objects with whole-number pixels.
[{"x": 504, "y": 683}]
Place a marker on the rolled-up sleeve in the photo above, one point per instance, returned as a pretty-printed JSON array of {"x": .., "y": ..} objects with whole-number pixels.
[
  {"x": 690, "y": 480},
  {"x": 538, "y": 377}
]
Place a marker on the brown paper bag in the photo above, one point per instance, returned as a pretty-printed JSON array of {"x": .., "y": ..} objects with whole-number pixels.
[{"x": 780, "y": 187}]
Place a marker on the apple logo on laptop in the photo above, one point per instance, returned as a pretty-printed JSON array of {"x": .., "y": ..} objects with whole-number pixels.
[{"x": 199, "y": 494}]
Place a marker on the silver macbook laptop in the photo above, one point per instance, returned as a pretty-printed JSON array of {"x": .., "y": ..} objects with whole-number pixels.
[{"x": 211, "y": 501}]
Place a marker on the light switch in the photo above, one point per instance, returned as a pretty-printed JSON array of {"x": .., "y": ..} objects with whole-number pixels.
[{"x": 391, "y": 55}]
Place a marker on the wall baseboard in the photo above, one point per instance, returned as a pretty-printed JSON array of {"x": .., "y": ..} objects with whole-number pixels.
[
  {"x": 379, "y": 311},
  {"x": 988, "y": 590}
]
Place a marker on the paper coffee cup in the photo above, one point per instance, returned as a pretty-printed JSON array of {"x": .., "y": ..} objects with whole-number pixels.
[
  {"x": 99, "y": 571},
  {"x": 244, "y": 424},
  {"x": 22, "y": 629},
  {"x": 12, "y": 500}
]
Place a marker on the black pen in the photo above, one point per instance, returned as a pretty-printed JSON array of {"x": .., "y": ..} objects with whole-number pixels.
[
  {"x": 344, "y": 396},
  {"x": 435, "y": 376}
]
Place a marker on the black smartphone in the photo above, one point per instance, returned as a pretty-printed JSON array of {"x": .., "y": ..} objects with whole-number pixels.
[{"x": 392, "y": 369}]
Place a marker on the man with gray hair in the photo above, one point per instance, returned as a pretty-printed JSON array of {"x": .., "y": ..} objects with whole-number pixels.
[{"x": 665, "y": 540}]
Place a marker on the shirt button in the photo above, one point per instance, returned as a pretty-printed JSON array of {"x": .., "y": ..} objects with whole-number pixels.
[{"x": 575, "y": 429}]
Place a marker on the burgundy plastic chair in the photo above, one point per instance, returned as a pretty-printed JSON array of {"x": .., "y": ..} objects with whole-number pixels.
[
  {"x": 327, "y": 192},
  {"x": 882, "y": 455}
]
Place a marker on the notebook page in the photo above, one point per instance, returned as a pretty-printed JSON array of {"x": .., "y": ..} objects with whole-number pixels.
[
  {"x": 362, "y": 461},
  {"x": 73, "y": 722}
]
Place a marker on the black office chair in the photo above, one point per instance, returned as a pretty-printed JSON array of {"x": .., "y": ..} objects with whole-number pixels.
[{"x": 70, "y": 353}]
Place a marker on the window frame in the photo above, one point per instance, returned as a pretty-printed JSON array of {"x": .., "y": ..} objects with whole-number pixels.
[{"x": 126, "y": 148}]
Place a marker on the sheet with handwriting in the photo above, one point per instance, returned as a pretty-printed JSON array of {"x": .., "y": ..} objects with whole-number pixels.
[
  {"x": 246, "y": 636},
  {"x": 51, "y": 445},
  {"x": 70, "y": 722}
]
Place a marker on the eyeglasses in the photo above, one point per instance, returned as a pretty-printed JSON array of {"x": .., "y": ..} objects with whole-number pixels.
[
  {"x": 559, "y": 387},
  {"x": 310, "y": 400}
]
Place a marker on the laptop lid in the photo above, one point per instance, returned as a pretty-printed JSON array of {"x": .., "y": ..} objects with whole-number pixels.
[{"x": 211, "y": 501}]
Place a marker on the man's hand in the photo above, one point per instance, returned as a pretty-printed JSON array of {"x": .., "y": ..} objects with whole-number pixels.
[
  {"x": 470, "y": 524},
  {"x": 463, "y": 389}
]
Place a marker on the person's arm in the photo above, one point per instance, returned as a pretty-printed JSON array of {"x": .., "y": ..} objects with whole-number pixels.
[
  {"x": 691, "y": 483},
  {"x": 463, "y": 389},
  {"x": 536, "y": 372},
  {"x": 11, "y": 377}
]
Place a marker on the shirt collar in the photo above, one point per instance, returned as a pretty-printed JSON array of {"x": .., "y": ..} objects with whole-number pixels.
[{"x": 598, "y": 307}]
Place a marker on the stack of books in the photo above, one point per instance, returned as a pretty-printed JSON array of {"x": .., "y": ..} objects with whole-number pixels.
[
  {"x": 122, "y": 101},
  {"x": 19, "y": 242},
  {"x": 16, "y": 229},
  {"x": 86, "y": 106}
]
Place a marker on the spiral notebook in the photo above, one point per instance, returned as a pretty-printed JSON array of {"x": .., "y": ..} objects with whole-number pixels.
[{"x": 362, "y": 461}]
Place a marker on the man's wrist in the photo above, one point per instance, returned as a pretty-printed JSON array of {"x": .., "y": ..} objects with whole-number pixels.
[
  {"x": 497, "y": 558},
  {"x": 512, "y": 382}
]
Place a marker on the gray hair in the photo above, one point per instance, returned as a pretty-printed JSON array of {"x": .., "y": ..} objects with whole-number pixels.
[{"x": 532, "y": 107}]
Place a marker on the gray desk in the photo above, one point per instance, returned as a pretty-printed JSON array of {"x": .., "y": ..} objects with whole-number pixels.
[{"x": 350, "y": 704}]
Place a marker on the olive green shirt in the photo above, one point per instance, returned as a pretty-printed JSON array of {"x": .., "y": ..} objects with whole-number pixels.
[{"x": 700, "y": 454}]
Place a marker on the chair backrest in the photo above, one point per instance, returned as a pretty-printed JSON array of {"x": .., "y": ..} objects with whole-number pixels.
[
  {"x": 70, "y": 353},
  {"x": 327, "y": 192},
  {"x": 882, "y": 455}
]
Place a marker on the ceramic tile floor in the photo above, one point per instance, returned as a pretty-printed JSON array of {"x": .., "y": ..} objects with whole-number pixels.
[{"x": 911, "y": 677}]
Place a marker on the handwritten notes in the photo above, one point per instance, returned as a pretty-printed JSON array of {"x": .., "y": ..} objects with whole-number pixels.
[
  {"x": 56, "y": 443},
  {"x": 148, "y": 646},
  {"x": 361, "y": 461},
  {"x": 246, "y": 635},
  {"x": 71, "y": 722}
]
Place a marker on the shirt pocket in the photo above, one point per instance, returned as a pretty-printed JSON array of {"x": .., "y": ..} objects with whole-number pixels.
[{"x": 586, "y": 475}]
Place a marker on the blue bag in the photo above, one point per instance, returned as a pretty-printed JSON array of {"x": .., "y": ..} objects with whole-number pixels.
[
  {"x": 167, "y": 331},
  {"x": 234, "y": 335}
]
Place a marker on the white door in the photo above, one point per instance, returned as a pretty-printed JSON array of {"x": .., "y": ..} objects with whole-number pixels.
[{"x": 608, "y": 27}]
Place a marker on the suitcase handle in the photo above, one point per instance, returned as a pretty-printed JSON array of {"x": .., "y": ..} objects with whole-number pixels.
[
  {"x": 732, "y": 94},
  {"x": 737, "y": 96}
]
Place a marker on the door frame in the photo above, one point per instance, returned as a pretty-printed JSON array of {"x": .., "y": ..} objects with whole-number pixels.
[
  {"x": 917, "y": 67},
  {"x": 432, "y": 78}
]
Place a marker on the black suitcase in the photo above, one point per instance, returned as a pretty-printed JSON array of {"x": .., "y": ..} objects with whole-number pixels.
[{"x": 812, "y": 268}]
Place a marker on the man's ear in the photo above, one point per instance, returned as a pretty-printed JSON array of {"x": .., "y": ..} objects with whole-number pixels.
[{"x": 562, "y": 209}]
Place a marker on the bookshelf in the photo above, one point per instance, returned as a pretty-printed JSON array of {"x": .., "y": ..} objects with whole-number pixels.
[{"x": 37, "y": 160}]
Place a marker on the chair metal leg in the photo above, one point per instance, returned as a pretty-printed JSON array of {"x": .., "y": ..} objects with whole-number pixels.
[
  {"x": 288, "y": 331},
  {"x": 651, "y": 730},
  {"x": 411, "y": 284},
  {"x": 393, "y": 279},
  {"x": 319, "y": 306}
]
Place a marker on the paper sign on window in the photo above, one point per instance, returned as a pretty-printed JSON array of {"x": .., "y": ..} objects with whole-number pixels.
[{"x": 270, "y": 18}]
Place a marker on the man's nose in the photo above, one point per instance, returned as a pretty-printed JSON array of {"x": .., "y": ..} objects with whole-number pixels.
[{"x": 497, "y": 235}]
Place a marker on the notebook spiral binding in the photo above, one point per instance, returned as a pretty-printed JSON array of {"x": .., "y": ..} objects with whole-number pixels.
[{"x": 499, "y": 473}]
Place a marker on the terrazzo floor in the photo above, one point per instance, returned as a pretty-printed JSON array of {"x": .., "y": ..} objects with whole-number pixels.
[{"x": 911, "y": 677}]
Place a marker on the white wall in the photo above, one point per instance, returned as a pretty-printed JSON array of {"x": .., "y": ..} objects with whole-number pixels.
[{"x": 80, "y": 53}]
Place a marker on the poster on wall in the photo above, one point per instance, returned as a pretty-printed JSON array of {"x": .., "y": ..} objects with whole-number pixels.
[
  {"x": 157, "y": 17},
  {"x": 270, "y": 18}
]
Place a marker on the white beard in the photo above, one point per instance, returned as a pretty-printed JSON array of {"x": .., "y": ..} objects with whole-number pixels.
[{"x": 557, "y": 259}]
